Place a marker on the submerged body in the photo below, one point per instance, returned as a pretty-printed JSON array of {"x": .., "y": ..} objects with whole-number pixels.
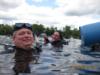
[{"x": 23, "y": 40}]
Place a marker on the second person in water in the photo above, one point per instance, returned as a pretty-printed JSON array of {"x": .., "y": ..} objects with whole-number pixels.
[{"x": 57, "y": 40}]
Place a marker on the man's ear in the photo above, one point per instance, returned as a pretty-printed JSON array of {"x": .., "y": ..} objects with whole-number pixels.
[
  {"x": 13, "y": 39},
  {"x": 14, "y": 35}
]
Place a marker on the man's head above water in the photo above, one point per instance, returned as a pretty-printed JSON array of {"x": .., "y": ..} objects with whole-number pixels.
[{"x": 23, "y": 35}]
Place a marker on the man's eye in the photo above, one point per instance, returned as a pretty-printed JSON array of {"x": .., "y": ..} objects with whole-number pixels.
[
  {"x": 29, "y": 33},
  {"x": 21, "y": 33}
]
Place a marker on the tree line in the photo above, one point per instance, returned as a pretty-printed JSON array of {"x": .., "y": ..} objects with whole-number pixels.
[{"x": 67, "y": 32}]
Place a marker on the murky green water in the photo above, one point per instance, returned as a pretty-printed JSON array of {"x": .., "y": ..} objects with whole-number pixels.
[{"x": 50, "y": 62}]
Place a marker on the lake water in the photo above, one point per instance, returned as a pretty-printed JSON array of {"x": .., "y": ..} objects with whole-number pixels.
[{"x": 51, "y": 62}]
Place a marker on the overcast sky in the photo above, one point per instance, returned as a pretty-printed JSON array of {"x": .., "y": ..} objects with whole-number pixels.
[{"x": 57, "y": 13}]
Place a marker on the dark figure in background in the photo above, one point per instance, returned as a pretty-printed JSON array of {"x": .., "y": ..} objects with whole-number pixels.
[
  {"x": 46, "y": 40},
  {"x": 95, "y": 47},
  {"x": 23, "y": 40},
  {"x": 38, "y": 50}
]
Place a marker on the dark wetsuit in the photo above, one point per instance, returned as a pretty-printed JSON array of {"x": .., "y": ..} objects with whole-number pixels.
[
  {"x": 22, "y": 59},
  {"x": 46, "y": 40},
  {"x": 58, "y": 43}
]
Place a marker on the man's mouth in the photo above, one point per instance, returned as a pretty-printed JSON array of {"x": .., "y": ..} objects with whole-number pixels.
[{"x": 26, "y": 40}]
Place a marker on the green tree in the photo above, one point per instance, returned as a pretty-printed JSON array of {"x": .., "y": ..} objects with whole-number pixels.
[
  {"x": 38, "y": 29},
  {"x": 75, "y": 33},
  {"x": 49, "y": 31},
  {"x": 67, "y": 32}
]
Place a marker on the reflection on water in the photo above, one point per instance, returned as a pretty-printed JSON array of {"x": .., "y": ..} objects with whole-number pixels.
[{"x": 52, "y": 62}]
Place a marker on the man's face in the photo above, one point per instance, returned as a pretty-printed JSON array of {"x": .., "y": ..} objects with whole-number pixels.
[{"x": 23, "y": 38}]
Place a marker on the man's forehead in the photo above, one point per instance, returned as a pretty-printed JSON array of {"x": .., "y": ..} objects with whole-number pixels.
[{"x": 23, "y": 29}]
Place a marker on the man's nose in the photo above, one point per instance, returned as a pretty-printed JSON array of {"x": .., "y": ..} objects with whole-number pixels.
[{"x": 26, "y": 35}]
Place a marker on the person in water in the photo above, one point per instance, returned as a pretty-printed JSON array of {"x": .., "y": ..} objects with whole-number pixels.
[
  {"x": 57, "y": 40},
  {"x": 23, "y": 40}
]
